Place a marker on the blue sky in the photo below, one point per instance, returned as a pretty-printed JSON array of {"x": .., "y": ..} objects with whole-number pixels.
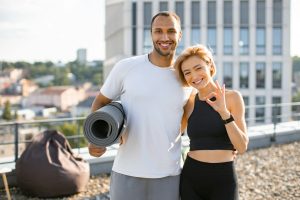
[{"x": 41, "y": 30}]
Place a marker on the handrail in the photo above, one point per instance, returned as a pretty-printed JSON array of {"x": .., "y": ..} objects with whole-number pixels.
[{"x": 17, "y": 126}]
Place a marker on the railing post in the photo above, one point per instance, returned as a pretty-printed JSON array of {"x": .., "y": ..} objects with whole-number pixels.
[
  {"x": 16, "y": 141},
  {"x": 78, "y": 136},
  {"x": 274, "y": 119}
]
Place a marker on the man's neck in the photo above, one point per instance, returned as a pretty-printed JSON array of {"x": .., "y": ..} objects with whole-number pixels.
[{"x": 161, "y": 61}]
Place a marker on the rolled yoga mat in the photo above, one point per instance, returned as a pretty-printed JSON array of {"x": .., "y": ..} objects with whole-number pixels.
[{"x": 104, "y": 126}]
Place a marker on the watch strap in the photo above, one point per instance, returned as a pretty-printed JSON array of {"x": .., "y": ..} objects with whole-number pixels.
[{"x": 230, "y": 119}]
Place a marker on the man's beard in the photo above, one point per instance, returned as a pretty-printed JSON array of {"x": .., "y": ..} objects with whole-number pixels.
[{"x": 170, "y": 53}]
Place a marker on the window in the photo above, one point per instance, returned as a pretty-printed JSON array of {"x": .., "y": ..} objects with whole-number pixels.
[
  {"x": 212, "y": 24},
  {"x": 227, "y": 13},
  {"x": 277, "y": 12},
  {"x": 246, "y": 102},
  {"x": 195, "y": 17},
  {"x": 195, "y": 14},
  {"x": 134, "y": 30},
  {"x": 147, "y": 41},
  {"x": 260, "y": 41},
  {"x": 261, "y": 12},
  {"x": 228, "y": 74},
  {"x": 277, "y": 41},
  {"x": 147, "y": 44},
  {"x": 244, "y": 73},
  {"x": 244, "y": 13},
  {"x": 195, "y": 36},
  {"x": 244, "y": 41},
  {"x": 179, "y": 9},
  {"x": 163, "y": 6},
  {"x": 260, "y": 109},
  {"x": 260, "y": 75},
  {"x": 276, "y": 75},
  {"x": 147, "y": 13},
  {"x": 211, "y": 13},
  {"x": 212, "y": 39},
  {"x": 276, "y": 109},
  {"x": 227, "y": 41},
  {"x": 180, "y": 46}
]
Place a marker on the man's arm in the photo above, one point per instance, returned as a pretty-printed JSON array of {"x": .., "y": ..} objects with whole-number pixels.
[{"x": 98, "y": 103}]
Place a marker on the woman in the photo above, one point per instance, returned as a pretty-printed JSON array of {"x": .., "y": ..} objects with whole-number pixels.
[{"x": 215, "y": 125}]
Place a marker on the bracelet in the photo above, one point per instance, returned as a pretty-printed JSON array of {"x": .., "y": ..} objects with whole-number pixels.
[{"x": 230, "y": 119}]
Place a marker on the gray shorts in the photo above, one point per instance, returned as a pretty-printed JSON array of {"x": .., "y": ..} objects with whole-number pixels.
[{"x": 123, "y": 187}]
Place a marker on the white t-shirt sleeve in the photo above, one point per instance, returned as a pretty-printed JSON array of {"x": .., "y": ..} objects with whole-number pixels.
[{"x": 113, "y": 85}]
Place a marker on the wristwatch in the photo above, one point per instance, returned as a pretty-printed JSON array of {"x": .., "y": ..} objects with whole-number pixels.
[{"x": 230, "y": 119}]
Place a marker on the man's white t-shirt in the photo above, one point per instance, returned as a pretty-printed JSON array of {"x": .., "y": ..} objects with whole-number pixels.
[{"x": 153, "y": 101}]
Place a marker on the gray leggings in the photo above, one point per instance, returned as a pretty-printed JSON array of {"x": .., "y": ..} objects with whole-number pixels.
[{"x": 123, "y": 187}]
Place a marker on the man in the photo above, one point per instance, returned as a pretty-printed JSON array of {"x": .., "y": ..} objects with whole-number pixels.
[{"x": 147, "y": 165}]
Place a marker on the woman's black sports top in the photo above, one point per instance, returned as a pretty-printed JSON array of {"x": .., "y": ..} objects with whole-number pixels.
[{"x": 206, "y": 129}]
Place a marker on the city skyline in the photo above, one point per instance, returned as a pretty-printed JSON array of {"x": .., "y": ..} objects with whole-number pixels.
[{"x": 33, "y": 30}]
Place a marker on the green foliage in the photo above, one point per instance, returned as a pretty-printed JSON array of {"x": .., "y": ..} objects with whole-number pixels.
[
  {"x": 296, "y": 64},
  {"x": 81, "y": 72},
  {"x": 72, "y": 129},
  {"x": 296, "y": 98},
  {"x": 7, "y": 111}
]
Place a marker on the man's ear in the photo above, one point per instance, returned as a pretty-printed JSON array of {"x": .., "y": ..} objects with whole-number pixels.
[{"x": 180, "y": 35}]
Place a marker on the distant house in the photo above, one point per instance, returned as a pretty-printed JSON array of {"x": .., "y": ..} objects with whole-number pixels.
[
  {"x": 83, "y": 108},
  {"x": 8, "y": 77},
  {"x": 62, "y": 97},
  {"x": 13, "y": 99},
  {"x": 26, "y": 114},
  {"x": 27, "y": 87}
]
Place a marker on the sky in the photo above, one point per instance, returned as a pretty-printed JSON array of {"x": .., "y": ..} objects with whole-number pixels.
[
  {"x": 41, "y": 30},
  {"x": 53, "y": 30}
]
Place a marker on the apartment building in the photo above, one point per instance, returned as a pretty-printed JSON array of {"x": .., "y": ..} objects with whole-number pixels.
[
  {"x": 61, "y": 97},
  {"x": 250, "y": 40}
]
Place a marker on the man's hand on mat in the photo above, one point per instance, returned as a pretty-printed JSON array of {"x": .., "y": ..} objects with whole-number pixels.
[
  {"x": 235, "y": 153},
  {"x": 121, "y": 140},
  {"x": 96, "y": 150}
]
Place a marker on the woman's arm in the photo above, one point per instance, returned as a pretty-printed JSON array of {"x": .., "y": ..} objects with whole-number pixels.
[
  {"x": 237, "y": 130},
  {"x": 231, "y": 103}
]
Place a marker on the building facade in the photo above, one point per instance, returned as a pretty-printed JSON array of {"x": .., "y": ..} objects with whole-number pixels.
[
  {"x": 250, "y": 40},
  {"x": 61, "y": 97},
  {"x": 81, "y": 56}
]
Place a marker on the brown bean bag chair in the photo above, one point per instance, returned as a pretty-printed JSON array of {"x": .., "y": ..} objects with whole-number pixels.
[{"x": 48, "y": 168}]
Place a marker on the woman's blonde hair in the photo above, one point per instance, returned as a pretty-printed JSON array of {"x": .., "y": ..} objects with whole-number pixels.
[{"x": 198, "y": 50}]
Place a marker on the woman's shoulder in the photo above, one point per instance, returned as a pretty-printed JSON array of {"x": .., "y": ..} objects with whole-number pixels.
[{"x": 233, "y": 95}]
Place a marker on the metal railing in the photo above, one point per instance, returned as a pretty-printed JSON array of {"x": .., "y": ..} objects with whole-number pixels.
[
  {"x": 19, "y": 133},
  {"x": 30, "y": 128}
]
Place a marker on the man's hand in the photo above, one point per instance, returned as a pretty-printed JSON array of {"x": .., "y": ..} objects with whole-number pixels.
[
  {"x": 235, "y": 153},
  {"x": 96, "y": 150}
]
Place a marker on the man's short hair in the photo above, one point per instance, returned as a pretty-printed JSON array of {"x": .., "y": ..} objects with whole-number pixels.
[{"x": 166, "y": 14}]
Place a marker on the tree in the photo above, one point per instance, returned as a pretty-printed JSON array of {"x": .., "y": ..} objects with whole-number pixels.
[
  {"x": 296, "y": 97},
  {"x": 7, "y": 111},
  {"x": 71, "y": 129},
  {"x": 296, "y": 66}
]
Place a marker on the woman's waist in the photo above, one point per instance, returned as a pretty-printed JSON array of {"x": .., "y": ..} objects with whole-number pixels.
[{"x": 212, "y": 156}]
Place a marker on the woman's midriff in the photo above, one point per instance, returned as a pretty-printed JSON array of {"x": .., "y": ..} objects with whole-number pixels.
[{"x": 212, "y": 156}]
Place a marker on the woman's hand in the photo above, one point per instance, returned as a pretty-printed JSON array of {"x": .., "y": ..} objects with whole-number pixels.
[
  {"x": 96, "y": 150},
  {"x": 217, "y": 101}
]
